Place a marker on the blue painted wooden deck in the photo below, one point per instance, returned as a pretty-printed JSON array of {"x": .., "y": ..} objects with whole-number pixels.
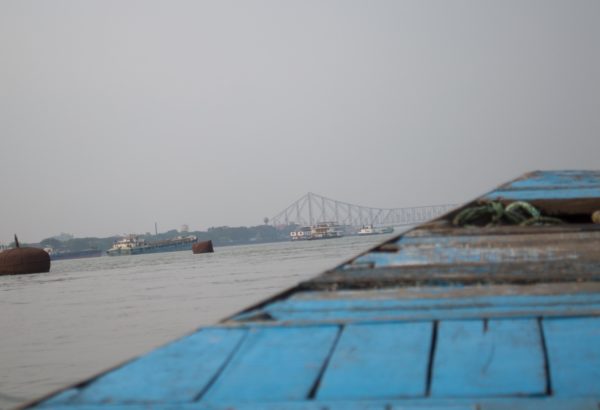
[{"x": 441, "y": 317}]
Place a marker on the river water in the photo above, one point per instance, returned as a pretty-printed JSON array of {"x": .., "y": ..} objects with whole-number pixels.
[{"x": 87, "y": 315}]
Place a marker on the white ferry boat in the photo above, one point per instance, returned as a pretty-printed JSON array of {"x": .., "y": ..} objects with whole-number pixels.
[
  {"x": 370, "y": 230},
  {"x": 323, "y": 230},
  {"x": 301, "y": 234}
]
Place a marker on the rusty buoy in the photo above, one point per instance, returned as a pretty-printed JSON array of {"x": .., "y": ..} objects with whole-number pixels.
[
  {"x": 24, "y": 260},
  {"x": 203, "y": 247}
]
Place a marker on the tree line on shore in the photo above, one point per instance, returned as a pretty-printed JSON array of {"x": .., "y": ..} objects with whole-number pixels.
[{"x": 220, "y": 236}]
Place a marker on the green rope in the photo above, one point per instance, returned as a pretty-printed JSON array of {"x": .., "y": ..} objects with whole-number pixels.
[
  {"x": 494, "y": 214},
  {"x": 520, "y": 207},
  {"x": 475, "y": 215},
  {"x": 542, "y": 220}
]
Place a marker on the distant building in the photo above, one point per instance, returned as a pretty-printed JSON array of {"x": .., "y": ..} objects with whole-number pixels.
[{"x": 184, "y": 228}]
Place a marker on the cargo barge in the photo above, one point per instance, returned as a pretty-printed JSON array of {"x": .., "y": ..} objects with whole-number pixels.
[
  {"x": 132, "y": 245},
  {"x": 495, "y": 305}
]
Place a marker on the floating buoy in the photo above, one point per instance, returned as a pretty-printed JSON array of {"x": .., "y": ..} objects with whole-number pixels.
[
  {"x": 23, "y": 260},
  {"x": 203, "y": 247}
]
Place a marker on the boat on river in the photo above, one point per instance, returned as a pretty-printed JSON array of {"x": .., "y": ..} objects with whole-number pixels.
[
  {"x": 494, "y": 305},
  {"x": 322, "y": 230},
  {"x": 371, "y": 230},
  {"x": 133, "y": 245}
]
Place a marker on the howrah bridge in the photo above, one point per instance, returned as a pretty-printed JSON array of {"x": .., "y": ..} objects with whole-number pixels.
[{"x": 313, "y": 208}]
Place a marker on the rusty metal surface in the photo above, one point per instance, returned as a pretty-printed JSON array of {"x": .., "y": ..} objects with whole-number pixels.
[
  {"x": 24, "y": 260},
  {"x": 202, "y": 247}
]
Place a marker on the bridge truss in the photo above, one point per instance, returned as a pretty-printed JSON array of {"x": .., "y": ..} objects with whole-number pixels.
[{"x": 313, "y": 208}]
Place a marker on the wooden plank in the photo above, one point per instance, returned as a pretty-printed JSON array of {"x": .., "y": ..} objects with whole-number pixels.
[
  {"x": 550, "y": 185},
  {"x": 429, "y": 309},
  {"x": 175, "y": 373},
  {"x": 454, "y": 292},
  {"x": 427, "y": 404},
  {"x": 549, "y": 194},
  {"x": 522, "y": 273},
  {"x": 543, "y": 403},
  {"x": 349, "y": 405},
  {"x": 117, "y": 407},
  {"x": 556, "y": 179},
  {"x": 505, "y": 236},
  {"x": 379, "y": 361},
  {"x": 484, "y": 248},
  {"x": 397, "y": 404},
  {"x": 138, "y": 406},
  {"x": 442, "y": 229},
  {"x": 348, "y": 316},
  {"x": 321, "y": 301},
  {"x": 275, "y": 363},
  {"x": 488, "y": 358},
  {"x": 574, "y": 355}
]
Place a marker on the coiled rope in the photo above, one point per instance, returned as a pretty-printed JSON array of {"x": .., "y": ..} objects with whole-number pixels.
[{"x": 494, "y": 214}]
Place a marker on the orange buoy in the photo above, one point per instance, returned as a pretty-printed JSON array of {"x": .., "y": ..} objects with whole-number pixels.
[
  {"x": 203, "y": 247},
  {"x": 24, "y": 260}
]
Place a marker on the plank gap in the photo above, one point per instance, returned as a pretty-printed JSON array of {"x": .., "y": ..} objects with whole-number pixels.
[
  {"x": 223, "y": 366},
  {"x": 545, "y": 355},
  {"x": 434, "y": 334},
  {"x": 313, "y": 391}
]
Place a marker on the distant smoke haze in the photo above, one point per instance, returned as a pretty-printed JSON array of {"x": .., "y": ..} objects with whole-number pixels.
[{"x": 117, "y": 114}]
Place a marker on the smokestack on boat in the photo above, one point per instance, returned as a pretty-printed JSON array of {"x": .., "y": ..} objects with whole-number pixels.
[
  {"x": 23, "y": 260},
  {"x": 203, "y": 247}
]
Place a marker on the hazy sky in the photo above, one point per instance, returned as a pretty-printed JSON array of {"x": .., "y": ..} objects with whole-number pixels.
[{"x": 117, "y": 114}]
